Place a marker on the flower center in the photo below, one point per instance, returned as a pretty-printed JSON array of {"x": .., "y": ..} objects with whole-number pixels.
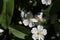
[
  {"x": 40, "y": 19},
  {"x": 38, "y": 33},
  {"x": 30, "y": 19}
]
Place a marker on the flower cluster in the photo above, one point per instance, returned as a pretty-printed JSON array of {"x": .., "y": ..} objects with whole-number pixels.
[
  {"x": 30, "y": 20},
  {"x": 46, "y": 2}
]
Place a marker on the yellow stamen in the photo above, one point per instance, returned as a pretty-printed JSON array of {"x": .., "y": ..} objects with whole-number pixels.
[
  {"x": 30, "y": 19},
  {"x": 38, "y": 33},
  {"x": 40, "y": 19}
]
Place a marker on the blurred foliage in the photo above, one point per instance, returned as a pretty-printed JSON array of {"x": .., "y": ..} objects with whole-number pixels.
[
  {"x": 10, "y": 16},
  {"x": 7, "y": 11}
]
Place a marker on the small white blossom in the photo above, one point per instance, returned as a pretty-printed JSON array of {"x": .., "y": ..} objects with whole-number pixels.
[
  {"x": 20, "y": 22},
  {"x": 30, "y": 1},
  {"x": 38, "y": 33},
  {"x": 57, "y": 34},
  {"x": 1, "y": 30},
  {"x": 29, "y": 22},
  {"x": 22, "y": 14},
  {"x": 40, "y": 17},
  {"x": 19, "y": 9},
  {"x": 46, "y": 2}
]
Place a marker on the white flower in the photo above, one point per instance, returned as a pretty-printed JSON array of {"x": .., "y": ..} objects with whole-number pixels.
[
  {"x": 20, "y": 22},
  {"x": 38, "y": 33},
  {"x": 46, "y": 2},
  {"x": 1, "y": 30},
  {"x": 22, "y": 14},
  {"x": 29, "y": 21},
  {"x": 40, "y": 17}
]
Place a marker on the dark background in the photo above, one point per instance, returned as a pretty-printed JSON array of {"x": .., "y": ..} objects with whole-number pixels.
[{"x": 52, "y": 26}]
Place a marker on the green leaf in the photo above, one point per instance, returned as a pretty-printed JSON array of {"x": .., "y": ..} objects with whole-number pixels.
[
  {"x": 21, "y": 28},
  {"x": 7, "y": 12},
  {"x": 17, "y": 33},
  {"x": 47, "y": 11},
  {"x": 3, "y": 14}
]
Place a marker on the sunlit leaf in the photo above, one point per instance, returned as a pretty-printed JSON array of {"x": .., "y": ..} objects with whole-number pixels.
[{"x": 17, "y": 33}]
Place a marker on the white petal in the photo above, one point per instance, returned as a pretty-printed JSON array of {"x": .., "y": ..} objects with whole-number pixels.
[
  {"x": 25, "y": 15},
  {"x": 34, "y": 30},
  {"x": 28, "y": 12},
  {"x": 49, "y": 2},
  {"x": 46, "y": 2},
  {"x": 19, "y": 9},
  {"x": 34, "y": 20},
  {"x": 20, "y": 22},
  {"x": 38, "y": 16},
  {"x": 1, "y": 30},
  {"x": 43, "y": 1},
  {"x": 25, "y": 22},
  {"x": 22, "y": 14},
  {"x": 41, "y": 15},
  {"x": 44, "y": 31},
  {"x": 34, "y": 36},
  {"x": 40, "y": 27},
  {"x": 41, "y": 37},
  {"x": 30, "y": 24}
]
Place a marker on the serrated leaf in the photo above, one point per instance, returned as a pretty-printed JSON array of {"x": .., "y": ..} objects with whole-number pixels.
[{"x": 17, "y": 33}]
